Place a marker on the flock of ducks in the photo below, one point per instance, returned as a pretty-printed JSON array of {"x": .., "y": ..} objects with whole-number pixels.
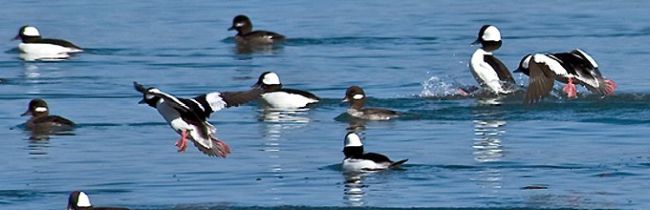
[{"x": 189, "y": 116}]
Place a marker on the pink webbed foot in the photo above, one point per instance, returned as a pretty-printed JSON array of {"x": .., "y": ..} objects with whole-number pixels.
[
  {"x": 182, "y": 142},
  {"x": 570, "y": 89},
  {"x": 222, "y": 147},
  {"x": 461, "y": 92},
  {"x": 610, "y": 86}
]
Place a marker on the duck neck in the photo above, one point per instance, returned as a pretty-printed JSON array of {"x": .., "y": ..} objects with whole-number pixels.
[
  {"x": 271, "y": 88},
  {"x": 351, "y": 152},
  {"x": 357, "y": 103}
]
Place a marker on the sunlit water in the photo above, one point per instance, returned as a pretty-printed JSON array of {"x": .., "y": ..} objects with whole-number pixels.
[{"x": 409, "y": 56}]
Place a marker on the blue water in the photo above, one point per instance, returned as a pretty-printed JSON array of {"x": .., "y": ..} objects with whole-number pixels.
[{"x": 588, "y": 153}]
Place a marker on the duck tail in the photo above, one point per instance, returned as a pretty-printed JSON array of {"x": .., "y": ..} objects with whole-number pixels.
[{"x": 397, "y": 164}]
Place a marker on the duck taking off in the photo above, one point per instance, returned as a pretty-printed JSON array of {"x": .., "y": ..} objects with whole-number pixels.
[
  {"x": 189, "y": 117},
  {"x": 574, "y": 67}
]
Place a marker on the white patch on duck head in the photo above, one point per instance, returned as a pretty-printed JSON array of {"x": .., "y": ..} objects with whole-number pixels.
[
  {"x": 149, "y": 94},
  {"x": 491, "y": 33},
  {"x": 40, "y": 109},
  {"x": 271, "y": 78},
  {"x": 352, "y": 140},
  {"x": 83, "y": 200},
  {"x": 239, "y": 24},
  {"x": 358, "y": 96},
  {"x": 589, "y": 58},
  {"x": 31, "y": 31}
]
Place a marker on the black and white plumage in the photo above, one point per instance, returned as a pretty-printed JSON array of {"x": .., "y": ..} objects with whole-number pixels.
[
  {"x": 191, "y": 115},
  {"x": 357, "y": 161},
  {"x": 567, "y": 67},
  {"x": 41, "y": 121},
  {"x": 356, "y": 97},
  {"x": 80, "y": 201},
  {"x": 275, "y": 96},
  {"x": 488, "y": 70},
  {"x": 34, "y": 47},
  {"x": 246, "y": 35}
]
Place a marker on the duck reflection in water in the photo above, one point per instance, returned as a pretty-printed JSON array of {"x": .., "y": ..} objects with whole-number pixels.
[
  {"x": 277, "y": 121},
  {"x": 353, "y": 193},
  {"x": 489, "y": 127}
]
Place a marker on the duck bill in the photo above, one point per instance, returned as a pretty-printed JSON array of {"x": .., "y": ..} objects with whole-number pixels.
[
  {"x": 231, "y": 28},
  {"x": 345, "y": 100},
  {"x": 142, "y": 101},
  {"x": 26, "y": 113},
  {"x": 518, "y": 70},
  {"x": 257, "y": 85},
  {"x": 17, "y": 37},
  {"x": 477, "y": 41}
]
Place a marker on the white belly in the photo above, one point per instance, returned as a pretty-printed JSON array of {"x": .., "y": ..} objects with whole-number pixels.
[
  {"x": 35, "y": 51},
  {"x": 173, "y": 117},
  {"x": 285, "y": 100},
  {"x": 357, "y": 165},
  {"x": 178, "y": 124},
  {"x": 485, "y": 75}
]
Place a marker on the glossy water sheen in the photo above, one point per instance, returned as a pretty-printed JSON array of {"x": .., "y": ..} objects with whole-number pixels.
[{"x": 408, "y": 55}]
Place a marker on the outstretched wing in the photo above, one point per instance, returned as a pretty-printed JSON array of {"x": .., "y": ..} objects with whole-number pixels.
[
  {"x": 540, "y": 82},
  {"x": 238, "y": 98}
]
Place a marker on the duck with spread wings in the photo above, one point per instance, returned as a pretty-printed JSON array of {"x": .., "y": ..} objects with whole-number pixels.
[{"x": 189, "y": 116}]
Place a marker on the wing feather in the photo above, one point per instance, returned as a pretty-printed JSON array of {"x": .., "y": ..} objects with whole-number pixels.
[
  {"x": 540, "y": 82},
  {"x": 240, "y": 97}
]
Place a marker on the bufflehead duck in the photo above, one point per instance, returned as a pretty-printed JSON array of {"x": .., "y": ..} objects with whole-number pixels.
[
  {"x": 80, "y": 201},
  {"x": 41, "y": 121},
  {"x": 189, "y": 117},
  {"x": 282, "y": 98},
  {"x": 246, "y": 35},
  {"x": 356, "y": 97},
  {"x": 357, "y": 161},
  {"x": 567, "y": 67},
  {"x": 36, "y": 47},
  {"x": 488, "y": 70}
]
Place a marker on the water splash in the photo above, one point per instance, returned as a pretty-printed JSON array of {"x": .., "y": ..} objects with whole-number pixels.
[{"x": 439, "y": 88}]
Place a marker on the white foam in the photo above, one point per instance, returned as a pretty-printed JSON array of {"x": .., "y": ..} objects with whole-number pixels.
[
  {"x": 271, "y": 78},
  {"x": 83, "y": 200},
  {"x": 40, "y": 109},
  {"x": 353, "y": 140},
  {"x": 358, "y": 96},
  {"x": 491, "y": 33},
  {"x": 437, "y": 87},
  {"x": 31, "y": 31}
]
